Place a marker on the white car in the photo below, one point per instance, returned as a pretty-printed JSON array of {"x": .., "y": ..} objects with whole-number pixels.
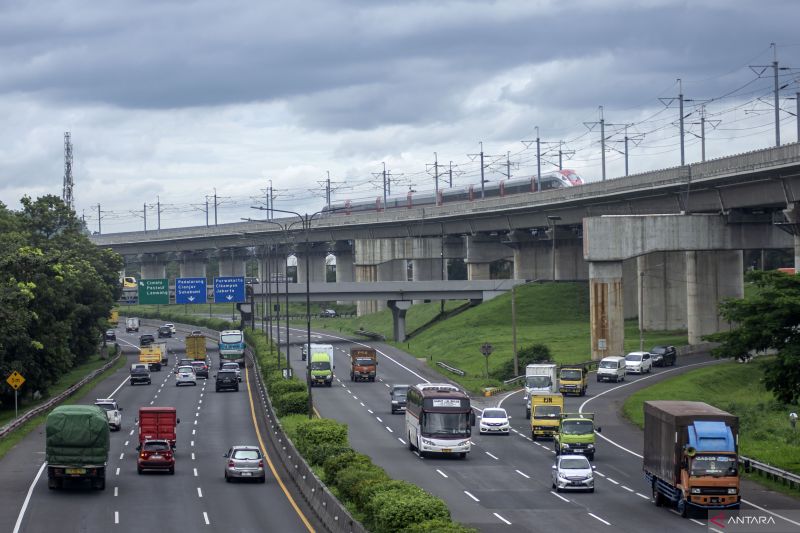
[
  {"x": 113, "y": 412},
  {"x": 185, "y": 376},
  {"x": 573, "y": 472},
  {"x": 638, "y": 362},
  {"x": 234, "y": 367},
  {"x": 495, "y": 420},
  {"x": 171, "y": 328}
]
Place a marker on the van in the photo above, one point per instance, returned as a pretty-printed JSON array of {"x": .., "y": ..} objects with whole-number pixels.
[
  {"x": 611, "y": 369},
  {"x": 322, "y": 364}
]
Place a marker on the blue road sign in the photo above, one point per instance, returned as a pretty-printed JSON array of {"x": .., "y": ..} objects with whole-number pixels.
[
  {"x": 190, "y": 290},
  {"x": 229, "y": 289}
]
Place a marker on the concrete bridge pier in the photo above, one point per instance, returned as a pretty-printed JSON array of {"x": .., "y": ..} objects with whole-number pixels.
[
  {"x": 793, "y": 216},
  {"x": 662, "y": 290},
  {"x": 606, "y": 302},
  {"x": 629, "y": 289},
  {"x": 710, "y": 278},
  {"x": 316, "y": 252},
  {"x": 570, "y": 264},
  {"x": 192, "y": 264},
  {"x": 345, "y": 257},
  {"x": 277, "y": 258},
  {"x": 366, "y": 274},
  {"x": 154, "y": 266},
  {"x": 482, "y": 251},
  {"x": 399, "y": 309},
  {"x": 233, "y": 261}
]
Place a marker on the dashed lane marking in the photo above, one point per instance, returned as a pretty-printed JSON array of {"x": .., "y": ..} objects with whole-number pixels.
[
  {"x": 471, "y": 496},
  {"x": 389, "y": 429},
  {"x": 195, "y": 472},
  {"x": 122, "y": 456},
  {"x": 492, "y": 456},
  {"x": 523, "y": 474},
  {"x": 116, "y": 517},
  {"x": 612, "y": 481},
  {"x": 557, "y": 495},
  {"x": 379, "y": 419},
  {"x": 600, "y": 519},
  {"x": 116, "y": 491},
  {"x": 442, "y": 473},
  {"x": 205, "y": 517},
  {"x": 639, "y": 494},
  {"x": 192, "y": 456},
  {"x": 117, "y": 471},
  {"x": 370, "y": 411},
  {"x": 126, "y": 442},
  {"x": 199, "y": 492},
  {"x": 401, "y": 440},
  {"x": 628, "y": 488},
  {"x": 503, "y": 519}
]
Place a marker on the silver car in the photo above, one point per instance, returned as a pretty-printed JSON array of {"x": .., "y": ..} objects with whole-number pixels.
[
  {"x": 113, "y": 412},
  {"x": 185, "y": 376},
  {"x": 244, "y": 462},
  {"x": 573, "y": 472},
  {"x": 234, "y": 367}
]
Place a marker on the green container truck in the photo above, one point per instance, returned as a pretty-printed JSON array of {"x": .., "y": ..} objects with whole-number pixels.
[{"x": 76, "y": 446}]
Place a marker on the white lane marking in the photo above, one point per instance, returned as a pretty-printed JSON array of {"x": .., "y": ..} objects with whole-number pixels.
[
  {"x": 697, "y": 521},
  {"x": 201, "y": 394},
  {"x": 379, "y": 419},
  {"x": 770, "y": 512},
  {"x": 362, "y": 404},
  {"x": 627, "y": 488},
  {"x": 370, "y": 411},
  {"x": 600, "y": 519},
  {"x": 116, "y": 491},
  {"x": 28, "y": 498},
  {"x": 193, "y": 431},
  {"x": 599, "y": 473},
  {"x": 492, "y": 456},
  {"x": 503, "y": 519},
  {"x": 442, "y": 473},
  {"x": 401, "y": 440},
  {"x": 639, "y": 494},
  {"x": 387, "y": 385},
  {"x": 612, "y": 481},
  {"x": 195, "y": 422},
  {"x": 191, "y": 443},
  {"x": 355, "y": 397},
  {"x": 151, "y": 402},
  {"x": 126, "y": 442},
  {"x": 117, "y": 471},
  {"x": 156, "y": 396},
  {"x": 124, "y": 381},
  {"x": 205, "y": 517},
  {"x": 200, "y": 401},
  {"x": 116, "y": 517},
  {"x": 131, "y": 433},
  {"x": 192, "y": 456},
  {"x": 195, "y": 472},
  {"x": 196, "y": 415},
  {"x": 557, "y": 495},
  {"x": 389, "y": 429},
  {"x": 199, "y": 493},
  {"x": 523, "y": 474},
  {"x": 122, "y": 455},
  {"x": 471, "y": 496}
]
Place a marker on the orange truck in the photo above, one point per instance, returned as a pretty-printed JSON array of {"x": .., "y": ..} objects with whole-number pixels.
[{"x": 363, "y": 364}]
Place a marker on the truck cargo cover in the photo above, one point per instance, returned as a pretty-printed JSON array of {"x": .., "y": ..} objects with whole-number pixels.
[{"x": 77, "y": 434}]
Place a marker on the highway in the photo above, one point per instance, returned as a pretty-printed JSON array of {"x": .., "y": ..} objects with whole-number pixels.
[
  {"x": 504, "y": 484},
  {"x": 196, "y": 498}
]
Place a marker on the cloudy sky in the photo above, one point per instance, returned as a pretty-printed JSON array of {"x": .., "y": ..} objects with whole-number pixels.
[{"x": 172, "y": 101}]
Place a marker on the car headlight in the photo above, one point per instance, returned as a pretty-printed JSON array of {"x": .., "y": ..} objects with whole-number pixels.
[
  {"x": 428, "y": 442},
  {"x": 732, "y": 490},
  {"x": 564, "y": 446},
  {"x": 394, "y": 401},
  {"x": 463, "y": 443},
  {"x": 590, "y": 446},
  {"x": 695, "y": 490}
]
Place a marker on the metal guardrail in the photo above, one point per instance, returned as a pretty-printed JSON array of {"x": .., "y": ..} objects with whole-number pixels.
[
  {"x": 330, "y": 511},
  {"x": 452, "y": 369},
  {"x": 11, "y": 426},
  {"x": 512, "y": 380},
  {"x": 771, "y": 472}
]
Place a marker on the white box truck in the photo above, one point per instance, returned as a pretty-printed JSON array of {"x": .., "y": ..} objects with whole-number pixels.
[
  {"x": 132, "y": 324},
  {"x": 539, "y": 379}
]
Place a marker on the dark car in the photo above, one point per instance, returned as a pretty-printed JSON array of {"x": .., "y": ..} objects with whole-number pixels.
[
  {"x": 164, "y": 331},
  {"x": 183, "y": 362},
  {"x": 146, "y": 339},
  {"x": 226, "y": 380},
  {"x": 155, "y": 455},
  {"x": 200, "y": 369},
  {"x": 328, "y": 313},
  {"x": 398, "y": 396},
  {"x": 140, "y": 373},
  {"x": 663, "y": 355},
  {"x": 111, "y": 335}
]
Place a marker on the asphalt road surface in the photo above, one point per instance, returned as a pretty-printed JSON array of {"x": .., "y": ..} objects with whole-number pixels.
[
  {"x": 505, "y": 484},
  {"x": 196, "y": 498}
]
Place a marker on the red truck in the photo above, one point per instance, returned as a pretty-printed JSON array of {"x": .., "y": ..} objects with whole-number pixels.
[{"x": 158, "y": 423}]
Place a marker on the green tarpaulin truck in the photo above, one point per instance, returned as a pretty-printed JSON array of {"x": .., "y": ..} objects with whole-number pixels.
[{"x": 77, "y": 443}]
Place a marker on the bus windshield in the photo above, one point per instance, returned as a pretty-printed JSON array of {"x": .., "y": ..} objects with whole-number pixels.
[
  {"x": 231, "y": 338},
  {"x": 445, "y": 424}
]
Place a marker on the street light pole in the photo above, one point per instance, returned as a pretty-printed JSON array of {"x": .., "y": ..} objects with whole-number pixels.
[
  {"x": 551, "y": 220},
  {"x": 308, "y": 323}
]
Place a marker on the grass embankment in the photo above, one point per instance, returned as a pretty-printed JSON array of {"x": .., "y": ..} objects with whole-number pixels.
[
  {"x": 553, "y": 314},
  {"x": 67, "y": 380},
  {"x": 764, "y": 430}
]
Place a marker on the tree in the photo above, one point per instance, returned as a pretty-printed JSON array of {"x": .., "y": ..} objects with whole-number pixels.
[
  {"x": 527, "y": 355},
  {"x": 769, "y": 318}
]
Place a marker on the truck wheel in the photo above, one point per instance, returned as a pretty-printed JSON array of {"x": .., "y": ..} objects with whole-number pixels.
[
  {"x": 658, "y": 498},
  {"x": 683, "y": 508},
  {"x": 527, "y": 413},
  {"x": 352, "y": 377},
  {"x": 172, "y": 471},
  {"x": 533, "y": 436},
  {"x": 410, "y": 444},
  {"x": 52, "y": 483},
  {"x": 598, "y": 379},
  {"x": 100, "y": 484},
  {"x": 590, "y": 456}
]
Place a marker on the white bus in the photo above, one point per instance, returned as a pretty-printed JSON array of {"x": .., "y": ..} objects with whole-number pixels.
[{"x": 439, "y": 419}]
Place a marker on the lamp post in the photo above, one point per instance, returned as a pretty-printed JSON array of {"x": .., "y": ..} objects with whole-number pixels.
[{"x": 551, "y": 221}]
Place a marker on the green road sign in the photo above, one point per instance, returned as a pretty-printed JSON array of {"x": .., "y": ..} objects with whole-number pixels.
[{"x": 153, "y": 291}]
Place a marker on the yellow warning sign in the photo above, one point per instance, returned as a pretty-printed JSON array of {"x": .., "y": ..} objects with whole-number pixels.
[{"x": 15, "y": 380}]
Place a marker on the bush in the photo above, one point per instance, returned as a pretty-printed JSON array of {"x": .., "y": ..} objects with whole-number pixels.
[
  {"x": 349, "y": 457},
  {"x": 286, "y": 385},
  {"x": 290, "y": 403},
  {"x": 318, "y": 432},
  {"x": 394, "y": 511},
  {"x": 438, "y": 525},
  {"x": 350, "y": 481},
  {"x": 366, "y": 495},
  {"x": 316, "y": 455},
  {"x": 528, "y": 355}
]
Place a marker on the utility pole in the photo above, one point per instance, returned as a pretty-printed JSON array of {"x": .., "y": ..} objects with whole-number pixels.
[
  {"x": 158, "y": 207},
  {"x": 538, "y": 161},
  {"x": 271, "y": 203},
  {"x": 327, "y": 190},
  {"x": 436, "y": 174},
  {"x": 777, "y": 91},
  {"x": 206, "y": 210},
  {"x": 215, "y": 206},
  {"x": 667, "y": 102},
  {"x": 508, "y": 164},
  {"x": 797, "y": 114},
  {"x": 602, "y": 124},
  {"x": 627, "y": 139},
  {"x": 514, "y": 330},
  {"x": 384, "y": 190},
  {"x": 99, "y": 218},
  {"x": 144, "y": 213},
  {"x": 798, "y": 129},
  {"x": 67, "y": 191},
  {"x": 483, "y": 181}
]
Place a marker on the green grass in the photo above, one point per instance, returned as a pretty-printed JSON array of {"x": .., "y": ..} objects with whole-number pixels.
[
  {"x": 63, "y": 384},
  {"x": 764, "y": 430},
  {"x": 556, "y": 315}
]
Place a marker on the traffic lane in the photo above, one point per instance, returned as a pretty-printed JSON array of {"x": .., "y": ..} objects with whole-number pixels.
[{"x": 227, "y": 420}]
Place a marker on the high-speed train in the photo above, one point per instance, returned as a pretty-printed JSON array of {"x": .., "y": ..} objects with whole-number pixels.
[{"x": 559, "y": 179}]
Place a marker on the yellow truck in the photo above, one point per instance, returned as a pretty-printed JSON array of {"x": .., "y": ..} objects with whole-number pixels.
[
  {"x": 545, "y": 414},
  {"x": 196, "y": 347},
  {"x": 573, "y": 380},
  {"x": 113, "y": 318},
  {"x": 151, "y": 356}
]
